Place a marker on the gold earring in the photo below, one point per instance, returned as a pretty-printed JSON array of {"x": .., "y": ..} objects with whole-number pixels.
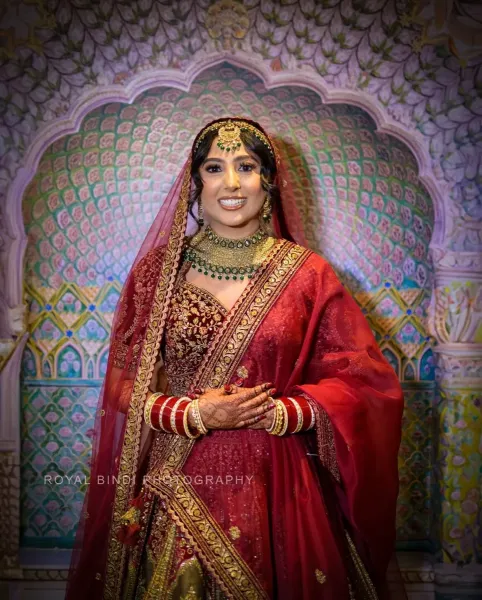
[
  {"x": 200, "y": 213},
  {"x": 266, "y": 211}
]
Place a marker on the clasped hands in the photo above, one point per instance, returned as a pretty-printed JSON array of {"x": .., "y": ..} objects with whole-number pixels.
[{"x": 232, "y": 407}]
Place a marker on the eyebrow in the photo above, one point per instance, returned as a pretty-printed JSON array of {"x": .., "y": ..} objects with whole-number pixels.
[{"x": 242, "y": 157}]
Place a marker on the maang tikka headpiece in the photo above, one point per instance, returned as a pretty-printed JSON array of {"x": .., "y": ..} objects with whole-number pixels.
[{"x": 229, "y": 134}]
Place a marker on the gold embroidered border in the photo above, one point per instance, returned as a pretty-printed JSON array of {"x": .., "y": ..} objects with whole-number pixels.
[
  {"x": 173, "y": 452},
  {"x": 210, "y": 541},
  {"x": 186, "y": 571},
  {"x": 363, "y": 583},
  {"x": 241, "y": 307},
  {"x": 324, "y": 438},
  {"x": 232, "y": 573},
  {"x": 159, "y": 584},
  {"x": 129, "y": 457},
  {"x": 226, "y": 351}
]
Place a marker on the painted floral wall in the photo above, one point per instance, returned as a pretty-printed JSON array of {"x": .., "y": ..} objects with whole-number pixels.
[
  {"x": 82, "y": 176},
  {"x": 90, "y": 204}
]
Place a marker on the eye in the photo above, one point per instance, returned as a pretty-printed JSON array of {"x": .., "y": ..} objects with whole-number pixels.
[
  {"x": 213, "y": 168},
  {"x": 246, "y": 166}
]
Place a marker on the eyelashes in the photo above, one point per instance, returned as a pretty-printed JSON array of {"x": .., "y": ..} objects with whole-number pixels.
[{"x": 245, "y": 167}]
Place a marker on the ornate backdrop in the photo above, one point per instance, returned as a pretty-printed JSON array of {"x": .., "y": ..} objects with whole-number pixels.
[{"x": 379, "y": 116}]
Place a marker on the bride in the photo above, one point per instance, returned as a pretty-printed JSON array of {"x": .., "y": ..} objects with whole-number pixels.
[{"x": 247, "y": 437}]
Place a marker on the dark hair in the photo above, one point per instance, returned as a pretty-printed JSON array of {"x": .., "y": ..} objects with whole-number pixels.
[{"x": 252, "y": 144}]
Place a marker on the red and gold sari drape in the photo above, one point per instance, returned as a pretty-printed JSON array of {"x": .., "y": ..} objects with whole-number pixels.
[{"x": 240, "y": 513}]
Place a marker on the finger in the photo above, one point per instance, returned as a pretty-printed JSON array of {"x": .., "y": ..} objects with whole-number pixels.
[
  {"x": 259, "y": 389},
  {"x": 254, "y": 391},
  {"x": 259, "y": 411},
  {"x": 260, "y": 423},
  {"x": 230, "y": 388},
  {"x": 257, "y": 400},
  {"x": 255, "y": 397},
  {"x": 254, "y": 402},
  {"x": 248, "y": 422}
]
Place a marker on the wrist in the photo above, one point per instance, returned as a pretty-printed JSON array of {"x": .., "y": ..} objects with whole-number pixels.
[
  {"x": 291, "y": 415},
  {"x": 197, "y": 417},
  {"x": 190, "y": 418},
  {"x": 169, "y": 414}
]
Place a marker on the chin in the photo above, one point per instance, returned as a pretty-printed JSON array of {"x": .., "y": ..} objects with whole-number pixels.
[{"x": 234, "y": 220}]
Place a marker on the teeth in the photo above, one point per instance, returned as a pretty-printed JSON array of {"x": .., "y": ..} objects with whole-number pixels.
[{"x": 232, "y": 201}]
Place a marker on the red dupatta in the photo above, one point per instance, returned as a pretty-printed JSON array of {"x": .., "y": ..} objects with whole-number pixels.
[
  {"x": 344, "y": 376},
  {"x": 331, "y": 357}
]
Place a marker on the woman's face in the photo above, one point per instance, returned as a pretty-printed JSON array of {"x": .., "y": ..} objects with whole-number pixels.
[{"x": 232, "y": 196}]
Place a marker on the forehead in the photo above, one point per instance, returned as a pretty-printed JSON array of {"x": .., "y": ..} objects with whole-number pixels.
[{"x": 216, "y": 152}]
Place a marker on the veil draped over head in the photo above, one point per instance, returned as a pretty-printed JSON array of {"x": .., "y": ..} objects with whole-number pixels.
[{"x": 151, "y": 278}]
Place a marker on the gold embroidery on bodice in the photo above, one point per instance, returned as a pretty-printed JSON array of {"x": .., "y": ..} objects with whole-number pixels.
[{"x": 194, "y": 317}]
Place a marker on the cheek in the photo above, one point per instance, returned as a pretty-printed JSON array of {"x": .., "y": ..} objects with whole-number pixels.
[
  {"x": 210, "y": 186},
  {"x": 255, "y": 189}
]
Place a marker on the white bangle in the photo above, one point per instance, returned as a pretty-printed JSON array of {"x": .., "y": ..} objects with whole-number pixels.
[
  {"x": 299, "y": 414},
  {"x": 312, "y": 424}
]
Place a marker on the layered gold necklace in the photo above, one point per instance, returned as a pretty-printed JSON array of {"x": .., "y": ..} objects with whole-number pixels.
[{"x": 224, "y": 258}]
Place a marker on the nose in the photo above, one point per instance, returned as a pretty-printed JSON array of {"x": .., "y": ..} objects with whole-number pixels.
[{"x": 231, "y": 178}]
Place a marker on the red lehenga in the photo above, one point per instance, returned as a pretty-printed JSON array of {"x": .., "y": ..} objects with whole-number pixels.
[{"x": 240, "y": 513}]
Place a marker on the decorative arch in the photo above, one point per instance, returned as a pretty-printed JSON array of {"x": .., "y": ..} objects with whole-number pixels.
[
  {"x": 183, "y": 80},
  {"x": 325, "y": 174}
]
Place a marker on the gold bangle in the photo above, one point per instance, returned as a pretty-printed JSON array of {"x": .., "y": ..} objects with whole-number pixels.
[
  {"x": 275, "y": 416},
  {"x": 278, "y": 424},
  {"x": 284, "y": 426},
  {"x": 196, "y": 414},
  {"x": 185, "y": 422},
  {"x": 299, "y": 414},
  {"x": 280, "y": 417},
  {"x": 148, "y": 408}
]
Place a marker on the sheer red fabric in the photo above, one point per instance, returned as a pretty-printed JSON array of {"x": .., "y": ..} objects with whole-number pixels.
[
  {"x": 297, "y": 507},
  {"x": 329, "y": 355},
  {"x": 128, "y": 329}
]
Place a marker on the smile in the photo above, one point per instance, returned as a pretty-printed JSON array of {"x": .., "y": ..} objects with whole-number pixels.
[{"x": 232, "y": 203}]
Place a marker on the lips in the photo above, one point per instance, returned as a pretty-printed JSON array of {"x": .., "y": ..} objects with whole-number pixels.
[{"x": 232, "y": 203}]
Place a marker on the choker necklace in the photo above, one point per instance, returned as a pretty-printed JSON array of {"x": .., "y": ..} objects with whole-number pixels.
[{"x": 224, "y": 258}]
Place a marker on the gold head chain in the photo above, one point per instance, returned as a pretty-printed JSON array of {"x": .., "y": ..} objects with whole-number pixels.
[{"x": 229, "y": 135}]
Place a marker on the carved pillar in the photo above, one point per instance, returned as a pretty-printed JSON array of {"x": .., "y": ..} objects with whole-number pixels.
[
  {"x": 456, "y": 323},
  {"x": 10, "y": 458},
  {"x": 11, "y": 349}
]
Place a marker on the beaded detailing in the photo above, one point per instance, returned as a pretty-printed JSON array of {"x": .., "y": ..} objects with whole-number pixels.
[
  {"x": 229, "y": 134},
  {"x": 193, "y": 319},
  {"x": 224, "y": 258}
]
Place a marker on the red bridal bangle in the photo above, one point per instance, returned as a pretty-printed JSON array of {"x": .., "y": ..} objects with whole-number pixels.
[
  {"x": 166, "y": 414},
  {"x": 151, "y": 409},
  {"x": 308, "y": 413},
  {"x": 295, "y": 416},
  {"x": 169, "y": 414},
  {"x": 178, "y": 419},
  {"x": 300, "y": 414}
]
